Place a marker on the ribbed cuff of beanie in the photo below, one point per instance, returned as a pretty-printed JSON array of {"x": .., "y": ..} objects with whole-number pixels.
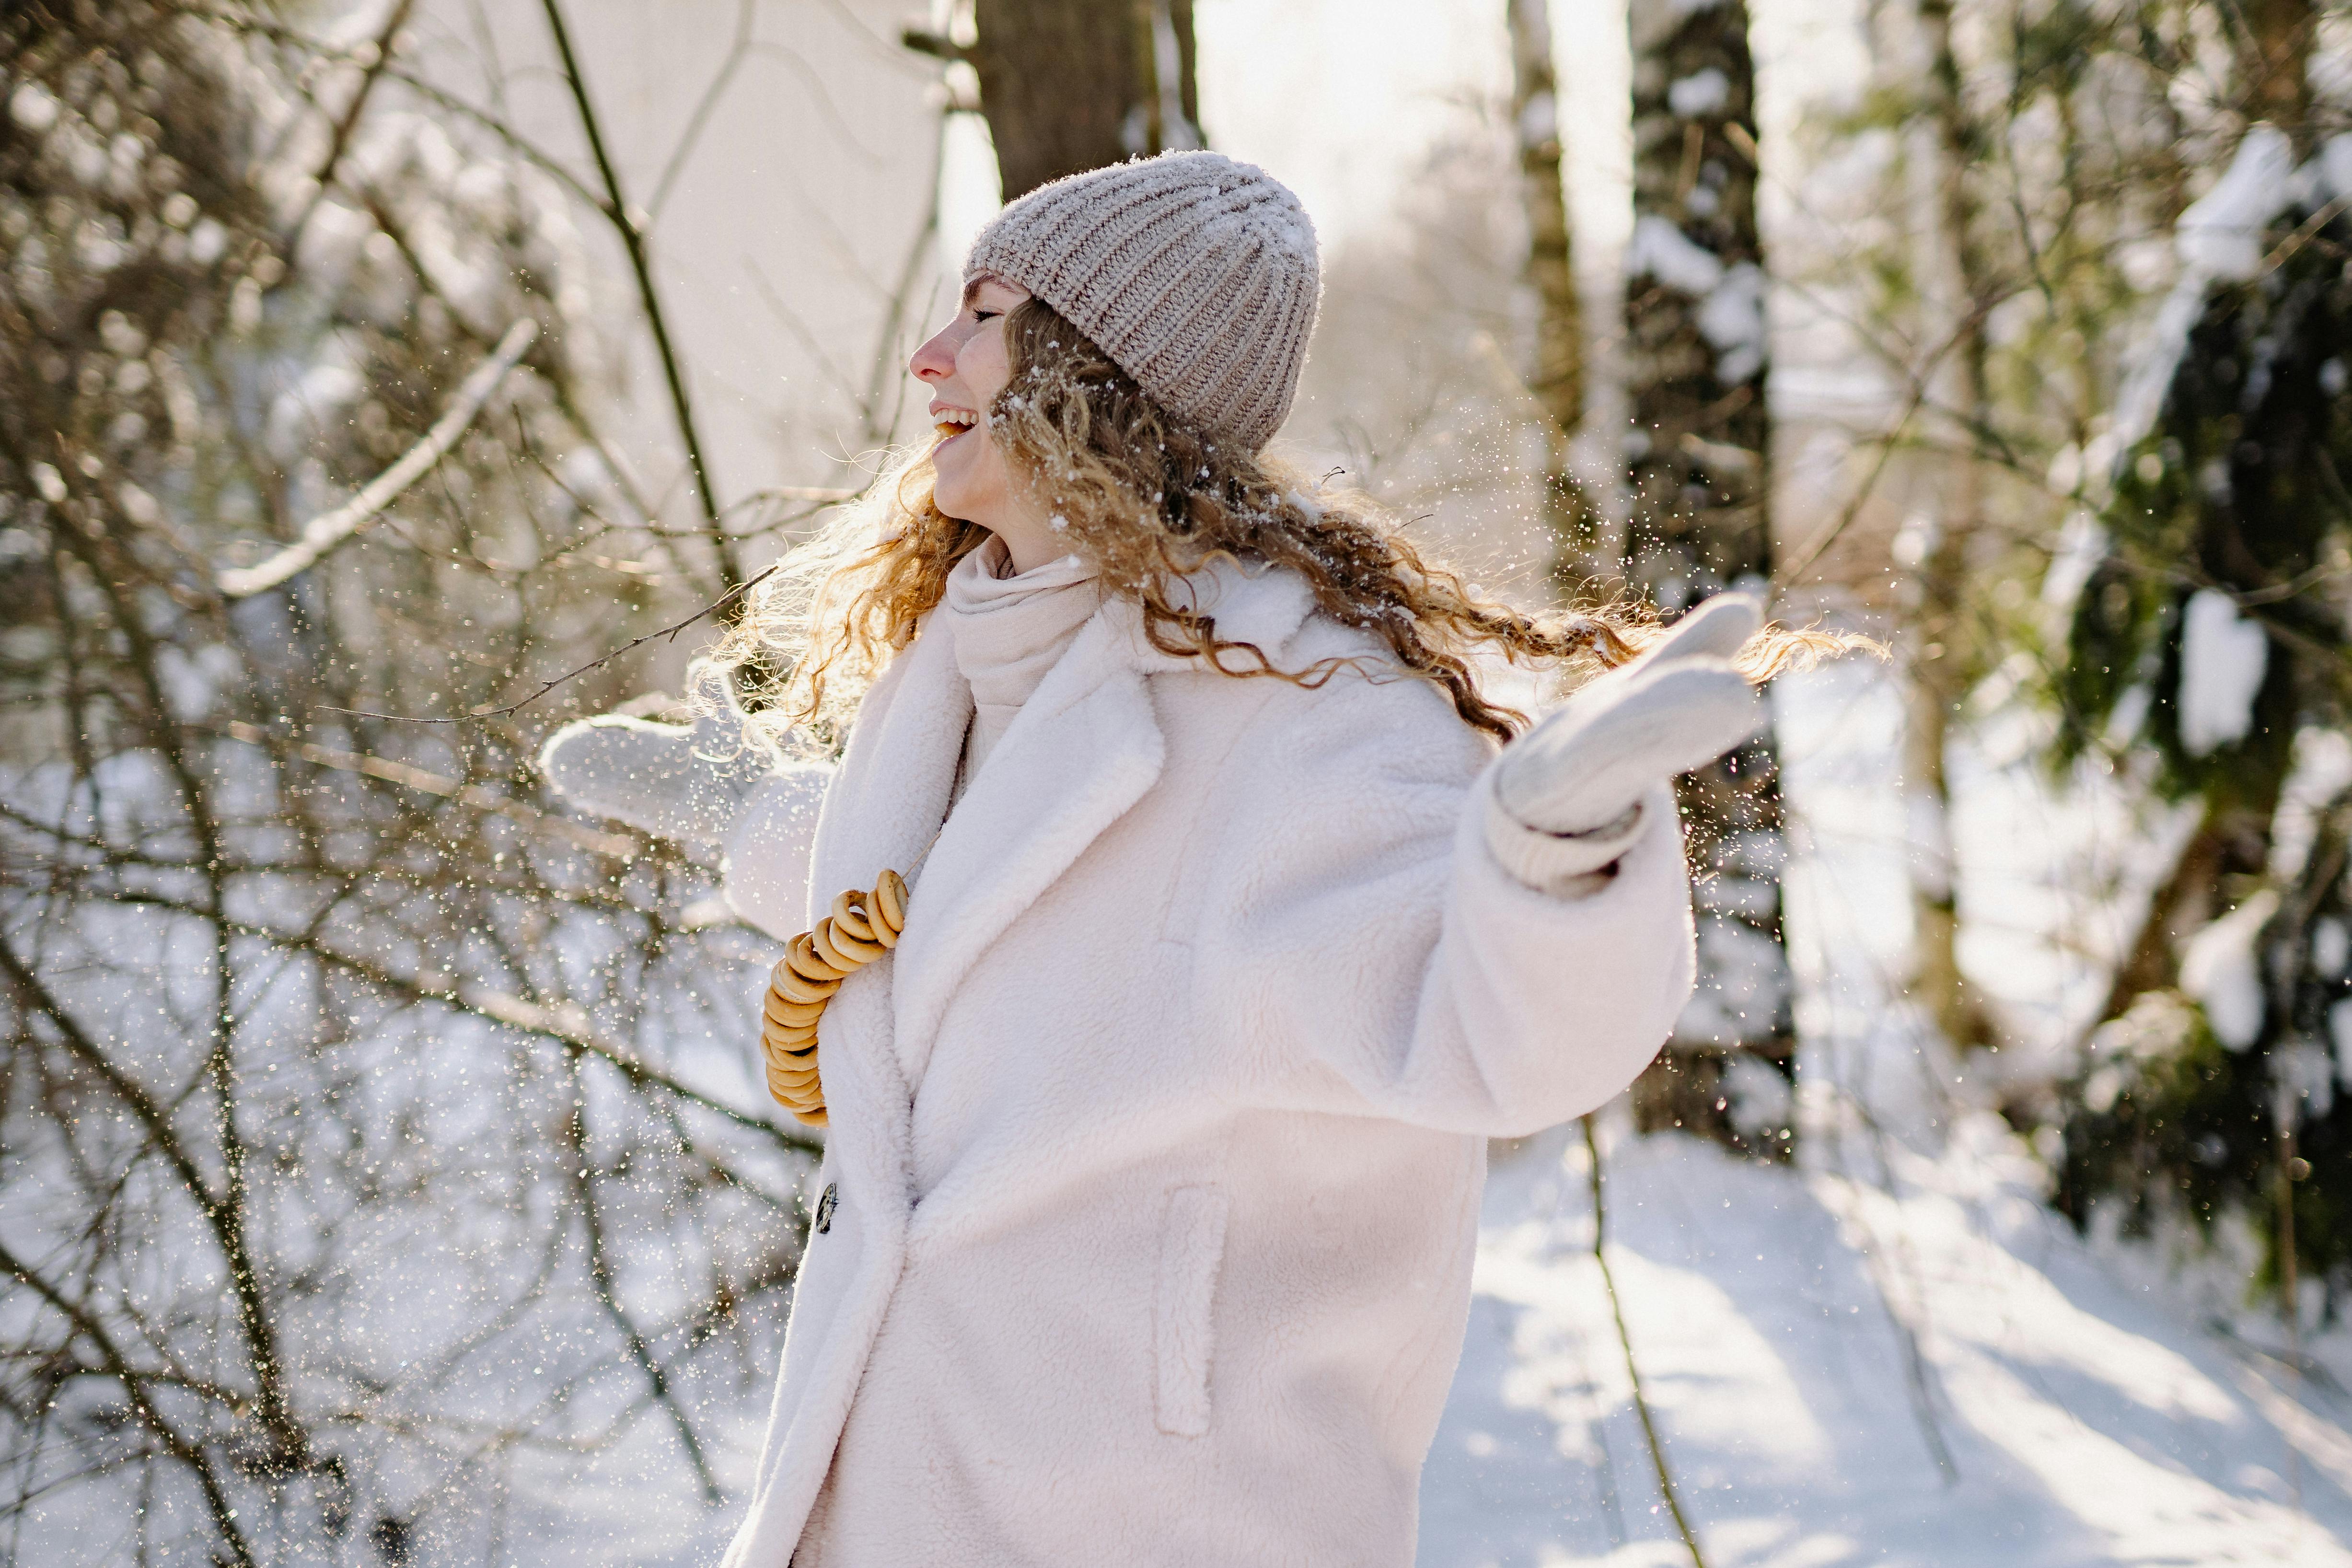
[{"x": 1564, "y": 865}]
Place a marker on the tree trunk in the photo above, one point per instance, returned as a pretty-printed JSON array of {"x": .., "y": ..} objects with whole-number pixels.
[
  {"x": 2274, "y": 58},
  {"x": 1557, "y": 380},
  {"x": 1942, "y": 654},
  {"x": 1698, "y": 460},
  {"x": 1071, "y": 85}
]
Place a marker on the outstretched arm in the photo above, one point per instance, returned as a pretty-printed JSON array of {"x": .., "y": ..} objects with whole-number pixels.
[
  {"x": 720, "y": 800},
  {"x": 1489, "y": 951}
]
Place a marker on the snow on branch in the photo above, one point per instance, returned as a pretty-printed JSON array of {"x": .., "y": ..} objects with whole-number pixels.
[{"x": 324, "y": 532}]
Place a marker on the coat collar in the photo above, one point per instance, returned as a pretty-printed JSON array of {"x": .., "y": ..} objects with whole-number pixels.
[
  {"x": 1084, "y": 749},
  {"x": 1260, "y": 604}
]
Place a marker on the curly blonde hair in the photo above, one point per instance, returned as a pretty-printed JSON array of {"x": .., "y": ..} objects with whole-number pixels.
[{"x": 1148, "y": 501}]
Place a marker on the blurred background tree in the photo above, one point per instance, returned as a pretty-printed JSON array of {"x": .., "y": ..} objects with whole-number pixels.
[
  {"x": 2210, "y": 635},
  {"x": 1697, "y": 463},
  {"x": 1072, "y": 85}
]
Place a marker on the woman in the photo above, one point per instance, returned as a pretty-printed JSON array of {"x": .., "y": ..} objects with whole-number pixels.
[{"x": 1155, "y": 1146}]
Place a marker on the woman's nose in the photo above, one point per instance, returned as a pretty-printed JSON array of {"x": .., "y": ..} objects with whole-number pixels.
[{"x": 935, "y": 361}]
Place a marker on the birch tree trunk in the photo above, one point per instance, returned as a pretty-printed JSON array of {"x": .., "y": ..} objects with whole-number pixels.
[
  {"x": 1698, "y": 460},
  {"x": 1557, "y": 379},
  {"x": 1071, "y": 85}
]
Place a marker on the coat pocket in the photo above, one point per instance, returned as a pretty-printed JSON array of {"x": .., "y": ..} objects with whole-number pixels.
[{"x": 1184, "y": 1327}]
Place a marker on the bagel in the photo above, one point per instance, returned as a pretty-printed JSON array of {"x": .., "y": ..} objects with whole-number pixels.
[
  {"x": 855, "y": 951},
  {"x": 799, "y": 1082},
  {"x": 789, "y": 1013},
  {"x": 801, "y": 991},
  {"x": 790, "y": 1038},
  {"x": 810, "y": 964},
  {"x": 890, "y": 902},
  {"x": 848, "y": 917},
  {"x": 861, "y": 927}
]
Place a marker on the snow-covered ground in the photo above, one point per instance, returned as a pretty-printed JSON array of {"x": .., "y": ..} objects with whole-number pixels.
[
  {"x": 2083, "y": 1418},
  {"x": 1895, "y": 1352}
]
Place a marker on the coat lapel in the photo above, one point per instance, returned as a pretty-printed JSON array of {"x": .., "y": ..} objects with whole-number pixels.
[
  {"x": 896, "y": 776},
  {"x": 1083, "y": 749},
  {"x": 883, "y": 805}
]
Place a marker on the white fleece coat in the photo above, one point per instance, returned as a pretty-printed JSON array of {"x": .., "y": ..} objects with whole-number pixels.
[{"x": 1156, "y": 1146}]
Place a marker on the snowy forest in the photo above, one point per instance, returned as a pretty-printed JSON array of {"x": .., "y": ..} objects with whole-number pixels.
[{"x": 386, "y": 1172}]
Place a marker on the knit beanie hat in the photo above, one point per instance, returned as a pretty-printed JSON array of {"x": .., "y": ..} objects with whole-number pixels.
[{"x": 1196, "y": 273}]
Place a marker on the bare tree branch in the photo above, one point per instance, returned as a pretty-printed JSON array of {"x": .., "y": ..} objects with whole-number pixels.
[
  {"x": 738, "y": 51},
  {"x": 323, "y": 533},
  {"x": 626, "y": 223},
  {"x": 118, "y": 1366},
  {"x": 510, "y": 709}
]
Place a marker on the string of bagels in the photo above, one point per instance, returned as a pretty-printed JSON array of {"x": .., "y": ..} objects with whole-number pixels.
[{"x": 862, "y": 927}]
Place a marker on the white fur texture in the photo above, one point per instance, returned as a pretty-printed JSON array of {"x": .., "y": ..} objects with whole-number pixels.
[{"x": 1160, "y": 1137}]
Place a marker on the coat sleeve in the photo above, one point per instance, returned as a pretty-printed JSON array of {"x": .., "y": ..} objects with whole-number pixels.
[
  {"x": 765, "y": 871},
  {"x": 1362, "y": 945}
]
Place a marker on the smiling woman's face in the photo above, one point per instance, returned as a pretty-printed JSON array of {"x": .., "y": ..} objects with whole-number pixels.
[{"x": 965, "y": 367}]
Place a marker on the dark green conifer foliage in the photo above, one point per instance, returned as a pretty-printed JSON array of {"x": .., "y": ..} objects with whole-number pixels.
[{"x": 2240, "y": 487}]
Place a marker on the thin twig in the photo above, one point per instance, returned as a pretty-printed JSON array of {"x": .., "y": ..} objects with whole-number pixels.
[
  {"x": 509, "y": 710},
  {"x": 1918, "y": 1377},
  {"x": 736, "y": 52},
  {"x": 616, "y": 208},
  {"x": 608, "y": 1294},
  {"x": 320, "y": 49},
  {"x": 408, "y": 777},
  {"x": 223, "y": 1213},
  {"x": 188, "y": 1450},
  {"x": 1812, "y": 549},
  {"x": 339, "y": 139},
  {"x": 1625, "y": 1340},
  {"x": 325, "y": 532},
  {"x": 886, "y": 357}
]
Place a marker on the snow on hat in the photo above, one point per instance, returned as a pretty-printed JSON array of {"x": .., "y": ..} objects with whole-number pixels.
[{"x": 1195, "y": 273}]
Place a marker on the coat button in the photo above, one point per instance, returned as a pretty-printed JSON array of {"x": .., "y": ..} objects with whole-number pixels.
[{"x": 825, "y": 1206}]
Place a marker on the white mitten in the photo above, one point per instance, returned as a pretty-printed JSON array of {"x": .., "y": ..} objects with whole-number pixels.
[
  {"x": 1565, "y": 799},
  {"x": 684, "y": 784}
]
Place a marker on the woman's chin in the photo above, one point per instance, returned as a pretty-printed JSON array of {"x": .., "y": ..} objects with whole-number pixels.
[{"x": 958, "y": 500}]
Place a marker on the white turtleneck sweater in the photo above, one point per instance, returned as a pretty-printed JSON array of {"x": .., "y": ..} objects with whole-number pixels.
[{"x": 1011, "y": 627}]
